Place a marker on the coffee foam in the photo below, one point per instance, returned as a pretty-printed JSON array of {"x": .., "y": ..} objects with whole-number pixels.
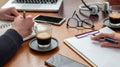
[
  {"x": 115, "y": 15},
  {"x": 43, "y": 35}
]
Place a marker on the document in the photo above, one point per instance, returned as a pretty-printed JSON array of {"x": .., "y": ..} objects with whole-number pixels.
[{"x": 92, "y": 52}]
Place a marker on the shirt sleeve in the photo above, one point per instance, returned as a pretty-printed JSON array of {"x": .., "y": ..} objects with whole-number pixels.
[{"x": 9, "y": 44}]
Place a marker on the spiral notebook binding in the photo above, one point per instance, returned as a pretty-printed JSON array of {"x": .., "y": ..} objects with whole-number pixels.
[{"x": 2, "y": 26}]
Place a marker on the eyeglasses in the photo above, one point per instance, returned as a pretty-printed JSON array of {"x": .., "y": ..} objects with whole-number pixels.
[{"x": 78, "y": 22}]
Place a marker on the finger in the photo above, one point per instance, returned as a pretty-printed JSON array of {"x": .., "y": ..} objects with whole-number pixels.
[
  {"x": 20, "y": 17},
  {"x": 106, "y": 44},
  {"x": 29, "y": 16},
  {"x": 97, "y": 37},
  {"x": 12, "y": 14},
  {"x": 8, "y": 17},
  {"x": 14, "y": 11}
]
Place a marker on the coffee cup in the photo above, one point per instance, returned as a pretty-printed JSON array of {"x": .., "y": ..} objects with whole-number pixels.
[
  {"x": 43, "y": 34},
  {"x": 114, "y": 15}
]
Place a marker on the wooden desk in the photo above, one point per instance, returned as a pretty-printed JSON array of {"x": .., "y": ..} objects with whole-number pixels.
[
  {"x": 2, "y": 2},
  {"x": 25, "y": 57}
]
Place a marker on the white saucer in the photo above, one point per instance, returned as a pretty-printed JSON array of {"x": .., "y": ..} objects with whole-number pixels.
[
  {"x": 106, "y": 22},
  {"x": 34, "y": 45}
]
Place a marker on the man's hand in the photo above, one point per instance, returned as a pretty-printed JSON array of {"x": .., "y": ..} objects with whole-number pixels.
[
  {"x": 23, "y": 26},
  {"x": 8, "y": 13}
]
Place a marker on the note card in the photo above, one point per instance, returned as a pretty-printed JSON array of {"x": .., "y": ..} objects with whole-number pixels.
[{"x": 93, "y": 52}]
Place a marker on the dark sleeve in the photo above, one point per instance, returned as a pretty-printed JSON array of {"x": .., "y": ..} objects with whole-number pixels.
[{"x": 9, "y": 44}]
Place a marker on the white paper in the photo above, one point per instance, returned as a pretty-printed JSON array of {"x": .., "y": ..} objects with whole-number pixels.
[{"x": 101, "y": 56}]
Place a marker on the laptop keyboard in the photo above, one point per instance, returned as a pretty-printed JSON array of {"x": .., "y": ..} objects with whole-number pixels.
[
  {"x": 36, "y": 1},
  {"x": 35, "y": 5}
]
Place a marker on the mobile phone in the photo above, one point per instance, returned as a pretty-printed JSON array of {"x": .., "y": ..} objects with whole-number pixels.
[
  {"x": 49, "y": 19},
  {"x": 60, "y": 60}
]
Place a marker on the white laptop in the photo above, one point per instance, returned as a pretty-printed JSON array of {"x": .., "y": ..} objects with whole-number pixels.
[{"x": 35, "y": 5}]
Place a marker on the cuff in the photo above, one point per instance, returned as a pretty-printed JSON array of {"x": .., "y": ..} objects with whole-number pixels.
[{"x": 15, "y": 36}]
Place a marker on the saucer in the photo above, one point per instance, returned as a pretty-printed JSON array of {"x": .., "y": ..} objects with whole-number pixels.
[
  {"x": 106, "y": 22},
  {"x": 34, "y": 45}
]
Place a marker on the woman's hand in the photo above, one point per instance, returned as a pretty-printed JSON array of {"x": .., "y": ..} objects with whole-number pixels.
[{"x": 115, "y": 36}]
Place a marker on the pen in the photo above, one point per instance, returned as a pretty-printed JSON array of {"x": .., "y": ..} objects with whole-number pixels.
[
  {"x": 24, "y": 14},
  {"x": 110, "y": 40}
]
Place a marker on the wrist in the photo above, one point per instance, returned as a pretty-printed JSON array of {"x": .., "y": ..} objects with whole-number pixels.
[{"x": 18, "y": 31}]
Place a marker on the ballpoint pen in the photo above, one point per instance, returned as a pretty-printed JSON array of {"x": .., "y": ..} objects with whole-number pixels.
[
  {"x": 107, "y": 39},
  {"x": 24, "y": 14}
]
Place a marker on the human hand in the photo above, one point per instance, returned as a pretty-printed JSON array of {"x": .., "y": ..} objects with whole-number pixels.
[
  {"x": 23, "y": 26},
  {"x": 115, "y": 36},
  {"x": 8, "y": 13}
]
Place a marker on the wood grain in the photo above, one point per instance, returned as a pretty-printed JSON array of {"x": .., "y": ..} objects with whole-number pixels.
[{"x": 25, "y": 57}]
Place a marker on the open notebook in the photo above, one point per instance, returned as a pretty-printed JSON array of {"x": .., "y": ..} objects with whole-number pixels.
[
  {"x": 5, "y": 25},
  {"x": 92, "y": 52},
  {"x": 35, "y": 5}
]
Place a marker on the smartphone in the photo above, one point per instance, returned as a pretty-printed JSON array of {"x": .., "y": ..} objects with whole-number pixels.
[
  {"x": 49, "y": 19},
  {"x": 59, "y": 60}
]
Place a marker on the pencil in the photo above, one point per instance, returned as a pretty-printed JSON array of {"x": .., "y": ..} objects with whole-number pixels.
[{"x": 24, "y": 14}]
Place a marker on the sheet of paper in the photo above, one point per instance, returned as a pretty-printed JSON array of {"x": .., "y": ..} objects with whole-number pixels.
[{"x": 101, "y": 56}]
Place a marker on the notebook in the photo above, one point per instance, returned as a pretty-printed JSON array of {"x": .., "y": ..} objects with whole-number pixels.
[
  {"x": 93, "y": 53},
  {"x": 34, "y": 5},
  {"x": 5, "y": 25}
]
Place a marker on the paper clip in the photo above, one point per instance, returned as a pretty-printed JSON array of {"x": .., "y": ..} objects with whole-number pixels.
[{"x": 93, "y": 32}]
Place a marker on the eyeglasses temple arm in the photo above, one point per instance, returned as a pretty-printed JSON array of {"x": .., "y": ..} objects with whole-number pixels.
[
  {"x": 74, "y": 13},
  {"x": 78, "y": 17}
]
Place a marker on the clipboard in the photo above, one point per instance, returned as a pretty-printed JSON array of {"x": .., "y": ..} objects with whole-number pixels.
[
  {"x": 80, "y": 54},
  {"x": 78, "y": 36},
  {"x": 92, "y": 52}
]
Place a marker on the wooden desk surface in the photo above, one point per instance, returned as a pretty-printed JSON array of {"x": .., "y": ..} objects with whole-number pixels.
[{"x": 25, "y": 57}]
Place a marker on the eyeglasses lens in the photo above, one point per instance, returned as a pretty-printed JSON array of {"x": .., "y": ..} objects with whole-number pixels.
[
  {"x": 87, "y": 23},
  {"x": 72, "y": 22}
]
